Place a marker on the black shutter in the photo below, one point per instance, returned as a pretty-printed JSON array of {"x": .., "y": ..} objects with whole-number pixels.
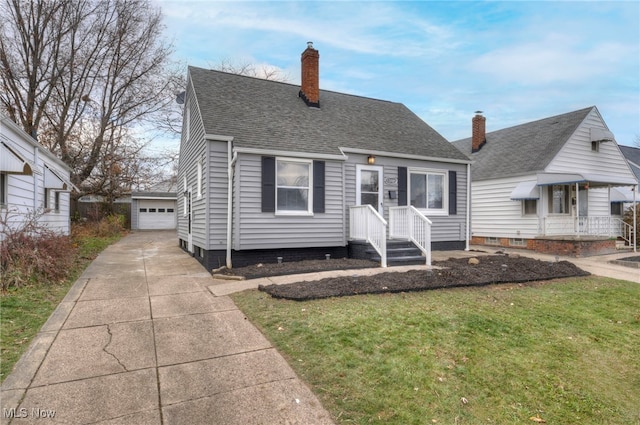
[
  {"x": 268, "y": 184},
  {"x": 402, "y": 186},
  {"x": 453, "y": 193},
  {"x": 318, "y": 186}
]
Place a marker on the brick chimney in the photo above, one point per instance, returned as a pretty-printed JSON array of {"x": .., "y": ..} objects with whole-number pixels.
[
  {"x": 478, "y": 132},
  {"x": 310, "y": 87}
]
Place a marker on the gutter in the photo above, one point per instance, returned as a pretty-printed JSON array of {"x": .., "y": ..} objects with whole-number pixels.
[{"x": 468, "y": 214}]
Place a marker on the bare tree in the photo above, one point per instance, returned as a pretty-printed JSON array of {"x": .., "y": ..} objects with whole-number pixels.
[
  {"x": 80, "y": 74},
  {"x": 264, "y": 71}
]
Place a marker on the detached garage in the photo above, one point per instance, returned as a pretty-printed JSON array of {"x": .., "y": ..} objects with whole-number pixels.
[{"x": 153, "y": 210}]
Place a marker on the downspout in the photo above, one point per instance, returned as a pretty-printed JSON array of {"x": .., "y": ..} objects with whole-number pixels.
[
  {"x": 231, "y": 161},
  {"x": 468, "y": 218},
  {"x": 577, "y": 206}
]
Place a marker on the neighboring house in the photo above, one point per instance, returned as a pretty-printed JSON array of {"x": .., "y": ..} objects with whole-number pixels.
[
  {"x": 269, "y": 169},
  {"x": 623, "y": 198},
  {"x": 548, "y": 185},
  {"x": 153, "y": 210},
  {"x": 33, "y": 181}
]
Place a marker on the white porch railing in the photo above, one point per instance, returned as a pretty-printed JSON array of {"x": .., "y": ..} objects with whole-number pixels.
[
  {"x": 365, "y": 223},
  {"x": 409, "y": 223},
  {"x": 625, "y": 230},
  {"x": 585, "y": 226}
]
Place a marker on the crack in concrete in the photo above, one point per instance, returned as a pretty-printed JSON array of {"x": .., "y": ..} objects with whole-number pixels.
[{"x": 110, "y": 353}]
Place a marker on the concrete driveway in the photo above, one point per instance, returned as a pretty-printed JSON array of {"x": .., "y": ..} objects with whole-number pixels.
[{"x": 140, "y": 340}]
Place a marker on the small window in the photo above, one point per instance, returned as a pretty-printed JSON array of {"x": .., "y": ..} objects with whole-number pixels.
[
  {"x": 530, "y": 206},
  {"x": 160, "y": 209},
  {"x": 169, "y": 210},
  {"x": 517, "y": 242},
  {"x": 616, "y": 208},
  {"x": 152, "y": 210},
  {"x": 199, "y": 181},
  {"x": 3, "y": 189},
  {"x": 47, "y": 194},
  {"x": 595, "y": 146},
  {"x": 56, "y": 201},
  {"x": 492, "y": 241},
  {"x": 293, "y": 185},
  {"x": 184, "y": 195},
  {"x": 143, "y": 210}
]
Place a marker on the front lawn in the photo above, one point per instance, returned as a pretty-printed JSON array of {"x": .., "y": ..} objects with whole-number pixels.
[{"x": 564, "y": 352}]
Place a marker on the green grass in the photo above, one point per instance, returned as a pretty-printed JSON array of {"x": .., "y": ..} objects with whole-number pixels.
[
  {"x": 566, "y": 351},
  {"x": 24, "y": 310}
]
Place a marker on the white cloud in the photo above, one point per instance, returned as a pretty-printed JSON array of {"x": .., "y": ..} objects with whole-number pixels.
[{"x": 555, "y": 59}]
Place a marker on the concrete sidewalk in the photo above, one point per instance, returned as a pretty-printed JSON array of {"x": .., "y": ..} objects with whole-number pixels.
[
  {"x": 147, "y": 336},
  {"x": 140, "y": 340}
]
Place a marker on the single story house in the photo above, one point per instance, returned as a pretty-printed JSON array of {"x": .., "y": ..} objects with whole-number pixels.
[
  {"x": 33, "y": 182},
  {"x": 548, "y": 185},
  {"x": 269, "y": 169}
]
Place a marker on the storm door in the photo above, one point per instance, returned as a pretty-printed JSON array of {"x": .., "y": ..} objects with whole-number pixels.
[{"x": 369, "y": 186}]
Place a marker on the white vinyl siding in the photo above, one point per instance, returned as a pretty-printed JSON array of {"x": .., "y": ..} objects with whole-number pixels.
[
  {"x": 25, "y": 194},
  {"x": 576, "y": 155},
  {"x": 258, "y": 230},
  {"x": 495, "y": 214}
]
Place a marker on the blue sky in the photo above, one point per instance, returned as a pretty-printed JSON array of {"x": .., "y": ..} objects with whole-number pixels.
[{"x": 517, "y": 61}]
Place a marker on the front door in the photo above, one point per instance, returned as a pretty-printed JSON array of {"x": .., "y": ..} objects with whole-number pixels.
[{"x": 369, "y": 186}]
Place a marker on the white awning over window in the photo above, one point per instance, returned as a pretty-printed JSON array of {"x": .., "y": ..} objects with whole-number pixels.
[
  {"x": 601, "y": 135},
  {"x": 546, "y": 179},
  {"x": 525, "y": 190},
  {"x": 52, "y": 180},
  {"x": 12, "y": 162},
  {"x": 622, "y": 194}
]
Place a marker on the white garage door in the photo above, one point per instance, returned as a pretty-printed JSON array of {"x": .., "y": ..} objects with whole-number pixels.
[{"x": 156, "y": 214}]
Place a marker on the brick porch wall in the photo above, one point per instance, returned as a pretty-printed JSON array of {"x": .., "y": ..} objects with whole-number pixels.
[{"x": 566, "y": 247}]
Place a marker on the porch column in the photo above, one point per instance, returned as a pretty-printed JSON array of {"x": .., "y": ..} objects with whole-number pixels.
[{"x": 635, "y": 215}]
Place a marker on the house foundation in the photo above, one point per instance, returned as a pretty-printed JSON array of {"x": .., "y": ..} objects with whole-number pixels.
[{"x": 212, "y": 259}]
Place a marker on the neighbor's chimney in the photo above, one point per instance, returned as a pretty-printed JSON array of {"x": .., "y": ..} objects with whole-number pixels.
[
  {"x": 310, "y": 87},
  {"x": 478, "y": 132}
]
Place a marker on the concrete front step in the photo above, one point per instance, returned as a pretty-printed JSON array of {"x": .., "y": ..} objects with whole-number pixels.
[
  {"x": 399, "y": 253},
  {"x": 402, "y": 261}
]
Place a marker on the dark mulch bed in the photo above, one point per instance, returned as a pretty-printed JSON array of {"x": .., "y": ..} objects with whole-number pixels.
[
  {"x": 296, "y": 267},
  {"x": 456, "y": 273},
  {"x": 634, "y": 259}
]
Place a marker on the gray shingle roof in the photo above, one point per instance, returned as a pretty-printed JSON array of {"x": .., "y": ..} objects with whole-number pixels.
[
  {"x": 523, "y": 149},
  {"x": 633, "y": 157},
  {"x": 265, "y": 114}
]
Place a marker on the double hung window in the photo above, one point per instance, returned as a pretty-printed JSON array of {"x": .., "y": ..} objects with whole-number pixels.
[{"x": 293, "y": 185}]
